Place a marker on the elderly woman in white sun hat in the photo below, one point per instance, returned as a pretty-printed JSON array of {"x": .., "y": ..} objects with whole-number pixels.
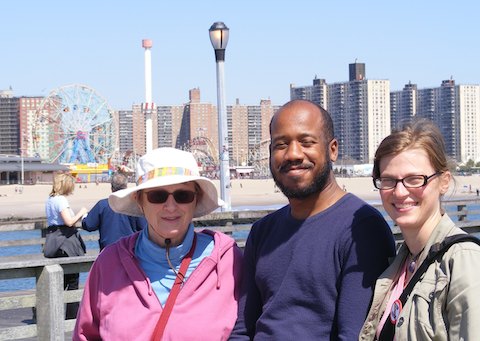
[{"x": 166, "y": 282}]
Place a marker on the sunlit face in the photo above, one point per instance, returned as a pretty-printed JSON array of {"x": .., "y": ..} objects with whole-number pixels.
[
  {"x": 413, "y": 208},
  {"x": 300, "y": 159},
  {"x": 170, "y": 219}
]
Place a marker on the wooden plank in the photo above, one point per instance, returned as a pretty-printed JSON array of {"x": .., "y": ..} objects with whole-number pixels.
[
  {"x": 69, "y": 325},
  {"x": 20, "y": 332},
  {"x": 39, "y": 241},
  {"x": 17, "y": 301},
  {"x": 70, "y": 296},
  {"x": 24, "y": 266}
]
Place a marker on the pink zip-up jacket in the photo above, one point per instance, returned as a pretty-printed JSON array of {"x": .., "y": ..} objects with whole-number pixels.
[{"x": 119, "y": 303}]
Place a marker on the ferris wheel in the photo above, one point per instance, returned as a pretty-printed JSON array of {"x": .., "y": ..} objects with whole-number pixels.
[{"x": 74, "y": 124}]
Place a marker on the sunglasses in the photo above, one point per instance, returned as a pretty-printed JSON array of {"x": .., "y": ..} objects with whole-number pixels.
[{"x": 161, "y": 196}]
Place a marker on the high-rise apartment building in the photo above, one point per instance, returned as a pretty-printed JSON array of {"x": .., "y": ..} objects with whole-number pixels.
[
  {"x": 131, "y": 130},
  {"x": 454, "y": 108},
  {"x": 267, "y": 110},
  {"x": 356, "y": 72},
  {"x": 258, "y": 134},
  {"x": 360, "y": 111},
  {"x": 165, "y": 124},
  {"x": 139, "y": 130},
  {"x": 361, "y": 114},
  {"x": 45, "y": 128},
  {"x": 468, "y": 107},
  {"x": 403, "y": 105},
  {"x": 28, "y": 107},
  {"x": 337, "y": 101},
  {"x": 124, "y": 128},
  {"x": 21, "y": 132},
  {"x": 17, "y": 119},
  {"x": 447, "y": 117},
  {"x": 200, "y": 122},
  {"x": 238, "y": 118},
  {"x": 317, "y": 92},
  {"x": 194, "y": 126},
  {"x": 9, "y": 123},
  {"x": 377, "y": 114}
]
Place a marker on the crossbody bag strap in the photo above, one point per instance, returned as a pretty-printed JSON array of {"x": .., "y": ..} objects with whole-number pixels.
[
  {"x": 177, "y": 285},
  {"x": 436, "y": 252}
]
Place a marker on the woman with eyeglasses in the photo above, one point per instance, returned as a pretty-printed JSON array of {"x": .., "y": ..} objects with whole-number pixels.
[
  {"x": 167, "y": 282},
  {"x": 422, "y": 295}
]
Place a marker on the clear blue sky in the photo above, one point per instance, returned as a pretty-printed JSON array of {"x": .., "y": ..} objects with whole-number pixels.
[{"x": 48, "y": 44}]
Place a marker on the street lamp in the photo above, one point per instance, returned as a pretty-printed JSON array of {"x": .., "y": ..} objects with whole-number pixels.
[
  {"x": 219, "y": 38},
  {"x": 22, "y": 166}
]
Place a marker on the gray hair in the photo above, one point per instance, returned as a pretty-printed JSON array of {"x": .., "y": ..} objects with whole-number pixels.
[{"x": 119, "y": 181}]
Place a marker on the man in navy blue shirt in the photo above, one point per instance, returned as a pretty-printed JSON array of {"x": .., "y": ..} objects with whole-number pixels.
[
  {"x": 310, "y": 267},
  {"x": 112, "y": 225}
]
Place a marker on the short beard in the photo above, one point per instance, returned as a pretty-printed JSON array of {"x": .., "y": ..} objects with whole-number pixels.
[{"x": 316, "y": 186}]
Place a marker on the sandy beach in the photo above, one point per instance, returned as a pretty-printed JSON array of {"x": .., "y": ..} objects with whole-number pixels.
[{"x": 261, "y": 193}]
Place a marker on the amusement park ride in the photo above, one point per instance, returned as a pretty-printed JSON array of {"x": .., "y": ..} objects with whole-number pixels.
[{"x": 74, "y": 126}]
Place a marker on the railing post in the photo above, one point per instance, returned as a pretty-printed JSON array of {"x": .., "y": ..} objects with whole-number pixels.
[
  {"x": 229, "y": 228},
  {"x": 460, "y": 208},
  {"x": 50, "y": 306}
]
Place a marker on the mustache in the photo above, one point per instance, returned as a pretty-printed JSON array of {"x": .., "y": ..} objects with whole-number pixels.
[{"x": 287, "y": 166}]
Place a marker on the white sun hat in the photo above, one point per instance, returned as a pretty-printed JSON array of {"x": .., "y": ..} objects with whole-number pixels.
[{"x": 162, "y": 167}]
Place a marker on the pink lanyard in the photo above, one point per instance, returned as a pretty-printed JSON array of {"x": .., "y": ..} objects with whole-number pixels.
[
  {"x": 177, "y": 285},
  {"x": 393, "y": 300}
]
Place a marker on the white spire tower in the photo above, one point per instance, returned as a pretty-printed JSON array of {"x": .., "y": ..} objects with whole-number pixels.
[{"x": 148, "y": 107}]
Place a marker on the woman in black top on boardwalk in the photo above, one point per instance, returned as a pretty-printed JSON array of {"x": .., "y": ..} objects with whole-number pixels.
[{"x": 63, "y": 239}]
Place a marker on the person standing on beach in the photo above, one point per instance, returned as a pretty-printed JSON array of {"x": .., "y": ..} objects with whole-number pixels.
[
  {"x": 429, "y": 292},
  {"x": 112, "y": 225},
  {"x": 310, "y": 267}
]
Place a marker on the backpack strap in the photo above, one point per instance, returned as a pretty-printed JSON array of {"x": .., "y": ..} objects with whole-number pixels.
[{"x": 436, "y": 252}]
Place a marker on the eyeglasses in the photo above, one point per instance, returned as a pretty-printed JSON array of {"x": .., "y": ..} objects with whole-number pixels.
[
  {"x": 161, "y": 196},
  {"x": 412, "y": 181}
]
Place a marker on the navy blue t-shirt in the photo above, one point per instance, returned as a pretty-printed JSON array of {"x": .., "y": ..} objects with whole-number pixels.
[
  {"x": 111, "y": 225},
  {"x": 312, "y": 279}
]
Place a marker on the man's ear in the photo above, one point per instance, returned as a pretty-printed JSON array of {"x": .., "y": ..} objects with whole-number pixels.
[{"x": 333, "y": 150}]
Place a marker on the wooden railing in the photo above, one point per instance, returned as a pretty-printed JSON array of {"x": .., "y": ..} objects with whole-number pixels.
[{"x": 49, "y": 297}]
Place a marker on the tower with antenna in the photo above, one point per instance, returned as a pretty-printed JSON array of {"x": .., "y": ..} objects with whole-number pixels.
[{"x": 356, "y": 71}]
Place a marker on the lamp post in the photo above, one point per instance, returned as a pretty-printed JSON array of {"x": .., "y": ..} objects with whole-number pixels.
[
  {"x": 23, "y": 168},
  {"x": 219, "y": 39},
  {"x": 22, "y": 148}
]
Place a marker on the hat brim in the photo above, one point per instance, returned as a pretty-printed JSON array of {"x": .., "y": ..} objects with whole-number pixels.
[{"x": 123, "y": 201}]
